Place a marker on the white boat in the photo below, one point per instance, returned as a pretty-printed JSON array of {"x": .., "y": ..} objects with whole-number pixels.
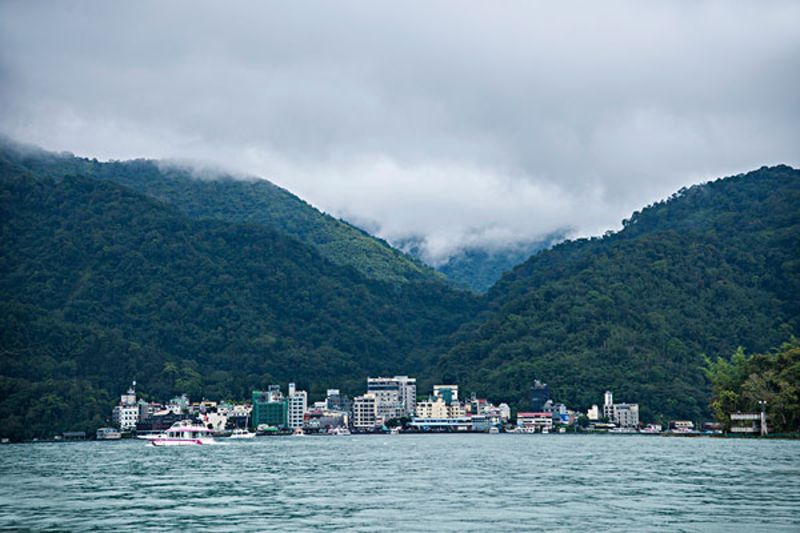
[
  {"x": 493, "y": 430},
  {"x": 298, "y": 432},
  {"x": 239, "y": 433},
  {"x": 339, "y": 431},
  {"x": 151, "y": 436},
  {"x": 184, "y": 433},
  {"x": 108, "y": 434},
  {"x": 395, "y": 430}
]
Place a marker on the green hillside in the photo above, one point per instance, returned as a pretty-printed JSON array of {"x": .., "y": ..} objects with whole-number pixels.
[
  {"x": 100, "y": 285},
  {"x": 219, "y": 196},
  {"x": 712, "y": 268},
  {"x": 478, "y": 270}
]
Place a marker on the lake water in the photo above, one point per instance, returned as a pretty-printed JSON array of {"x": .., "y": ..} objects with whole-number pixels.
[{"x": 406, "y": 483}]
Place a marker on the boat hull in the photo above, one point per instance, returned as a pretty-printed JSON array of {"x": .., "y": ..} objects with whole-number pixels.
[{"x": 181, "y": 442}]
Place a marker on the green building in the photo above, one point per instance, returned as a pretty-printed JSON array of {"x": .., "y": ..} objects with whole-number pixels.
[{"x": 269, "y": 408}]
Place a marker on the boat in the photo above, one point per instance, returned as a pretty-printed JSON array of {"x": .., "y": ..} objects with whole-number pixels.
[
  {"x": 240, "y": 433},
  {"x": 108, "y": 434},
  {"x": 151, "y": 436},
  {"x": 298, "y": 432},
  {"x": 184, "y": 433},
  {"x": 339, "y": 431},
  {"x": 493, "y": 430},
  {"x": 395, "y": 430}
]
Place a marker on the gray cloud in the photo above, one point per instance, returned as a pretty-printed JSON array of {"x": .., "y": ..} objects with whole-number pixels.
[{"x": 461, "y": 124}]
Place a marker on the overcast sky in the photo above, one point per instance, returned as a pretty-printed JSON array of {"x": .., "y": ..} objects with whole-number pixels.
[{"x": 463, "y": 124}]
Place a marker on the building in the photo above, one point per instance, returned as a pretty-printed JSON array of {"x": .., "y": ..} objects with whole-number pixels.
[
  {"x": 432, "y": 408},
  {"x": 593, "y": 414},
  {"x": 535, "y": 421},
  {"x": 270, "y": 408},
  {"x": 396, "y": 396},
  {"x": 125, "y": 414},
  {"x": 623, "y": 415},
  {"x": 442, "y": 424},
  {"x": 449, "y": 393},
  {"x": 365, "y": 412},
  {"x": 540, "y": 395},
  {"x": 298, "y": 405}
]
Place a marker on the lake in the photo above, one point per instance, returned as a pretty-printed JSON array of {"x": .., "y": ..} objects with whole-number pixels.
[{"x": 447, "y": 482}]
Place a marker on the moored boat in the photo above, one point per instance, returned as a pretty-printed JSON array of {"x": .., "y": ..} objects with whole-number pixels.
[
  {"x": 239, "y": 433},
  {"x": 184, "y": 433}
]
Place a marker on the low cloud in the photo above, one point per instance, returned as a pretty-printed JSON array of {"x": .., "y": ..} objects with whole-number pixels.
[{"x": 451, "y": 123}]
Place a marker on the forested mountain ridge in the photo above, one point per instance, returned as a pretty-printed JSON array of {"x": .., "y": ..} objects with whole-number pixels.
[
  {"x": 714, "y": 267},
  {"x": 215, "y": 195},
  {"x": 100, "y": 284}
]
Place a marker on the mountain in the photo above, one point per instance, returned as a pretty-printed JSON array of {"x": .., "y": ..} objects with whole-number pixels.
[
  {"x": 478, "y": 269},
  {"x": 216, "y": 195},
  {"x": 714, "y": 267},
  {"x": 100, "y": 284}
]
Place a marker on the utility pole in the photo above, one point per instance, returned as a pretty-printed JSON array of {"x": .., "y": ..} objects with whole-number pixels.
[{"x": 763, "y": 405}]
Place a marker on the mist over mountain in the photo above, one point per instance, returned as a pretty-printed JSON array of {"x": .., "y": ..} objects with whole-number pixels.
[
  {"x": 213, "y": 286},
  {"x": 216, "y": 194},
  {"x": 100, "y": 284},
  {"x": 714, "y": 267}
]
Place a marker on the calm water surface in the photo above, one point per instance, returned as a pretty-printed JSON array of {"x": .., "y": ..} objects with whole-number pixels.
[{"x": 406, "y": 482}]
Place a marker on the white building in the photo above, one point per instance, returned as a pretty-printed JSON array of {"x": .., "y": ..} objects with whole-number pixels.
[
  {"x": 298, "y": 405},
  {"x": 623, "y": 415},
  {"x": 396, "y": 396},
  {"x": 365, "y": 411},
  {"x": 126, "y": 414},
  {"x": 536, "y": 421},
  {"x": 593, "y": 413}
]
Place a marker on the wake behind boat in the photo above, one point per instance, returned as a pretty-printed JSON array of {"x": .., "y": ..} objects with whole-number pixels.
[{"x": 184, "y": 433}]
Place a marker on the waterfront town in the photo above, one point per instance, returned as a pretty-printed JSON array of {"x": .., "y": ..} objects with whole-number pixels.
[{"x": 388, "y": 405}]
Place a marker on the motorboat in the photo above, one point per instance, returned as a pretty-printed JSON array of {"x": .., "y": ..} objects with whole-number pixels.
[
  {"x": 108, "y": 434},
  {"x": 184, "y": 433},
  {"x": 339, "y": 431},
  {"x": 494, "y": 430},
  {"x": 240, "y": 433},
  {"x": 298, "y": 432},
  {"x": 395, "y": 430}
]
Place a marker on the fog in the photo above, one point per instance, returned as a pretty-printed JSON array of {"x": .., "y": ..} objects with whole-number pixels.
[{"x": 458, "y": 124}]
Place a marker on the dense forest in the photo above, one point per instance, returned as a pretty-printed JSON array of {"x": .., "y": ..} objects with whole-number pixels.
[
  {"x": 714, "y": 267},
  {"x": 101, "y": 285},
  {"x": 739, "y": 383},
  {"x": 116, "y": 271},
  {"x": 208, "y": 194},
  {"x": 477, "y": 269}
]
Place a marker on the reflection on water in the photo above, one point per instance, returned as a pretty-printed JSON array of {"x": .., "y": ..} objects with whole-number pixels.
[{"x": 406, "y": 482}]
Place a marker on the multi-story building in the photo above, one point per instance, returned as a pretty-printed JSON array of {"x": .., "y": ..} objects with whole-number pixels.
[
  {"x": 365, "y": 412},
  {"x": 270, "y": 408},
  {"x": 623, "y": 415},
  {"x": 298, "y": 405},
  {"x": 125, "y": 414},
  {"x": 333, "y": 400},
  {"x": 396, "y": 396},
  {"x": 535, "y": 421},
  {"x": 432, "y": 408},
  {"x": 449, "y": 393}
]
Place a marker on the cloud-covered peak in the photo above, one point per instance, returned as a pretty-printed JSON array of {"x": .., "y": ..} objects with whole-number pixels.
[{"x": 456, "y": 123}]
